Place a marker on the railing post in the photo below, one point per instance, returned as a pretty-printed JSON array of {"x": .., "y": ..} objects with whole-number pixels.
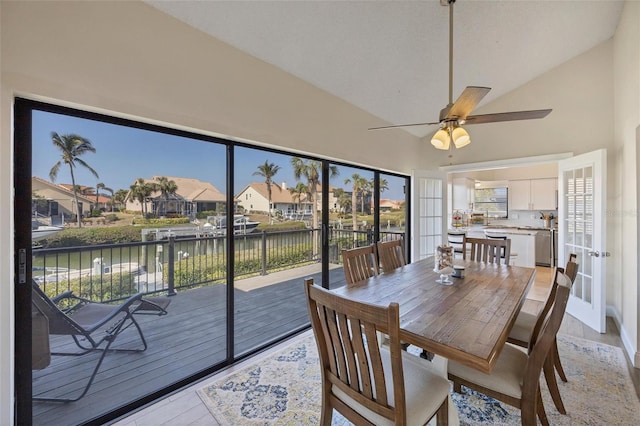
[
  {"x": 264, "y": 253},
  {"x": 143, "y": 251},
  {"x": 171, "y": 267}
]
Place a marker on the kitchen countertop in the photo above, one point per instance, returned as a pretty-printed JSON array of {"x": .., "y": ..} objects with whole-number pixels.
[{"x": 507, "y": 229}]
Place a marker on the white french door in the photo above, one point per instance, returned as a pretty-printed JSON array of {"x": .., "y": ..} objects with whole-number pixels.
[
  {"x": 429, "y": 198},
  {"x": 582, "y": 230}
]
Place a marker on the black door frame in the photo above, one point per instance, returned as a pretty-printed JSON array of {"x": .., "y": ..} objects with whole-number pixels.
[{"x": 22, "y": 179}]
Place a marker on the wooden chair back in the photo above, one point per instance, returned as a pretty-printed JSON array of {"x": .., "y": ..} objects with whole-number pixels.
[
  {"x": 543, "y": 343},
  {"x": 456, "y": 240},
  {"x": 530, "y": 401},
  {"x": 391, "y": 254},
  {"x": 488, "y": 250},
  {"x": 350, "y": 359},
  {"x": 492, "y": 235},
  {"x": 571, "y": 270},
  {"x": 359, "y": 263}
]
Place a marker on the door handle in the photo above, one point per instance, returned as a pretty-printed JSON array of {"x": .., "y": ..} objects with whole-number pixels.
[{"x": 594, "y": 253}]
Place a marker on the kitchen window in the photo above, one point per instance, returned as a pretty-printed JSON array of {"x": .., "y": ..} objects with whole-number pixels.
[{"x": 492, "y": 201}]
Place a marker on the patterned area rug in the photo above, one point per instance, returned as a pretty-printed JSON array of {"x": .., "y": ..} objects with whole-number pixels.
[{"x": 284, "y": 389}]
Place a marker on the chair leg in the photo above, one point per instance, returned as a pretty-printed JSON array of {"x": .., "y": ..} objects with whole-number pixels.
[
  {"x": 110, "y": 339},
  {"x": 442, "y": 415},
  {"x": 86, "y": 388},
  {"x": 542, "y": 415},
  {"x": 550, "y": 376},
  {"x": 557, "y": 363}
]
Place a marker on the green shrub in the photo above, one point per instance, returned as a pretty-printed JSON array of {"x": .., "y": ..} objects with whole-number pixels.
[
  {"x": 284, "y": 226},
  {"x": 212, "y": 267},
  {"x": 111, "y": 218},
  {"x": 205, "y": 213},
  {"x": 76, "y": 237},
  {"x": 161, "y": 222}
]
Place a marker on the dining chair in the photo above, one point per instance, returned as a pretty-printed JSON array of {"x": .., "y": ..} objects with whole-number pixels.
[
  {"x": 515, "y": 378},
  {"x": 487, "y": 250},
  {"x": 359, "y": 263},
  {"x": 391, "y": 254},
  {"x": 494, "y": 235},
  {"x": 456, "y": 240},
  {"x": 366, "y": 382},
  {"x": 525, "y": 327}
]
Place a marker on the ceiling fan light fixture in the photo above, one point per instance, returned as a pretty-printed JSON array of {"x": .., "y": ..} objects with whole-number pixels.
[
  {"x": 441, "y": 140},
  {"x": 460, "y": 137}
]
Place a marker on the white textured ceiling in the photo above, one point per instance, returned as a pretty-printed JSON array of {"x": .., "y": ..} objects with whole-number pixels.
[{"x": 390, "y": 58}]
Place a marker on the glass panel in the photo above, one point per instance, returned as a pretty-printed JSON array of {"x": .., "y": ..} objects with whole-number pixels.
[
  {"x": 140, "y": 229},
  {"x": 588, "y": 177},
  {"x": 276, "y": 235},
  {"x": 587, "y": 292},
  {"x": 393, "y": 212},
  {"x": 431, "y": 207},
  {"x": 569, "y": 182},
  {"x": 587, "y": 265},
  {"x": 577, "y": 289}
]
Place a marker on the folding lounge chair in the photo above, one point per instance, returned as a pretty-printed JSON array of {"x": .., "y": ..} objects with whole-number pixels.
[{"x": 93, "y": 326}]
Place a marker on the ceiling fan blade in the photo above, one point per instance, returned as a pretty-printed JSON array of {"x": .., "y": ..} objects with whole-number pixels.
[
  {"x": 402, "y": 125},
  {"x": 507, "y": 116},
  {"x": 467, "y": 101}
]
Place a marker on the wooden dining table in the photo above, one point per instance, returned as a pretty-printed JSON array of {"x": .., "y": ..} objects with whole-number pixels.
[{"x": 468, "y": 321}]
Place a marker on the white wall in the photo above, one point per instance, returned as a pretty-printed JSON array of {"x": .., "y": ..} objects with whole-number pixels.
[
  {"x": 129, "y": 58},
  {"x": 623, "y": 214}
]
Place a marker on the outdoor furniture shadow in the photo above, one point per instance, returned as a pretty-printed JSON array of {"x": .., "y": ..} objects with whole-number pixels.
[{"x": 93, "y": 326}]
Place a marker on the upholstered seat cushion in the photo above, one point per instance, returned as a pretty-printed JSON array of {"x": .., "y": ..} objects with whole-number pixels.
[
  {"x": 523, "y": 327},
  {"x": 506, "y": 376},
  {"x": 424, "y": 390}
]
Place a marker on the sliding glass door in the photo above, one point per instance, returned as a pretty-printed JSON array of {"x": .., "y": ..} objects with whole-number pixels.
[
  {"x": 130, "y": 222},
  {"x": 197, "y": 245},
  {"x": 276, "y": 244}
]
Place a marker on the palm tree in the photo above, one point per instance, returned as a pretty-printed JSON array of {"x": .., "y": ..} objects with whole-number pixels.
[
  {"x": 166, "y": 187},
  {"x": 344, "y": 201},
  {"x": 72, "y": 147},
  {"x": 359, "y": 185},
  {"x": 311, "y": 170},
  {"x": 268, "y": 171},
  {"x": 120, "y": 196},
  {"x": 100, "y": 186},
  {"x": 110, "y": 191},
  {"x": 298, "y": 191},
  {"x": 140, "y": 191}
]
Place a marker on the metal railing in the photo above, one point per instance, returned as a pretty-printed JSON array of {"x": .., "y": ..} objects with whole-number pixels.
[{"x": 113, "y": 272}]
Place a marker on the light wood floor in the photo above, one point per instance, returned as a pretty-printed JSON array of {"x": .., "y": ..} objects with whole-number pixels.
[{"x": 184, "y": 408}]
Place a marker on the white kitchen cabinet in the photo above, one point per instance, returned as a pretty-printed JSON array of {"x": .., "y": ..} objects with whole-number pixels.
[
  {"x": 463, "y": 193},
  {"x": 520, "y": 194},
  {"x": 544, "y": 194},
  {"x": 533, "y": 194}
]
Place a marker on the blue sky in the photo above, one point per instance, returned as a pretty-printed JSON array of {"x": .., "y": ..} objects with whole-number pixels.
[{"x": 124, "y": 154}]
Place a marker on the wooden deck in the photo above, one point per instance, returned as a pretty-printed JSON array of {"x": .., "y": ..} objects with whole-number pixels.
[{"x": 191, "y": 338}]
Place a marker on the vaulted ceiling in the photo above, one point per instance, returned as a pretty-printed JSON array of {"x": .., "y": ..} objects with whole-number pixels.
[{"x": 390, "y": 58}]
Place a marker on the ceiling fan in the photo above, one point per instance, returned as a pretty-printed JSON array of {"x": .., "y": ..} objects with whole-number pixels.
[{"x": 454, "y": 115}]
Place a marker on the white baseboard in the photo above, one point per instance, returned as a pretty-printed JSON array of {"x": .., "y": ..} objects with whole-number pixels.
[{"x": 633, "y": 354}]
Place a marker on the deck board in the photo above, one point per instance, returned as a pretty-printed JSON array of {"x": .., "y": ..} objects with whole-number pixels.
[{"x": 190, "y": 339}]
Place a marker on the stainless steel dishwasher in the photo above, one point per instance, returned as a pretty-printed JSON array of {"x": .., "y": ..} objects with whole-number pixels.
[{"x": 543, "y": 248}]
